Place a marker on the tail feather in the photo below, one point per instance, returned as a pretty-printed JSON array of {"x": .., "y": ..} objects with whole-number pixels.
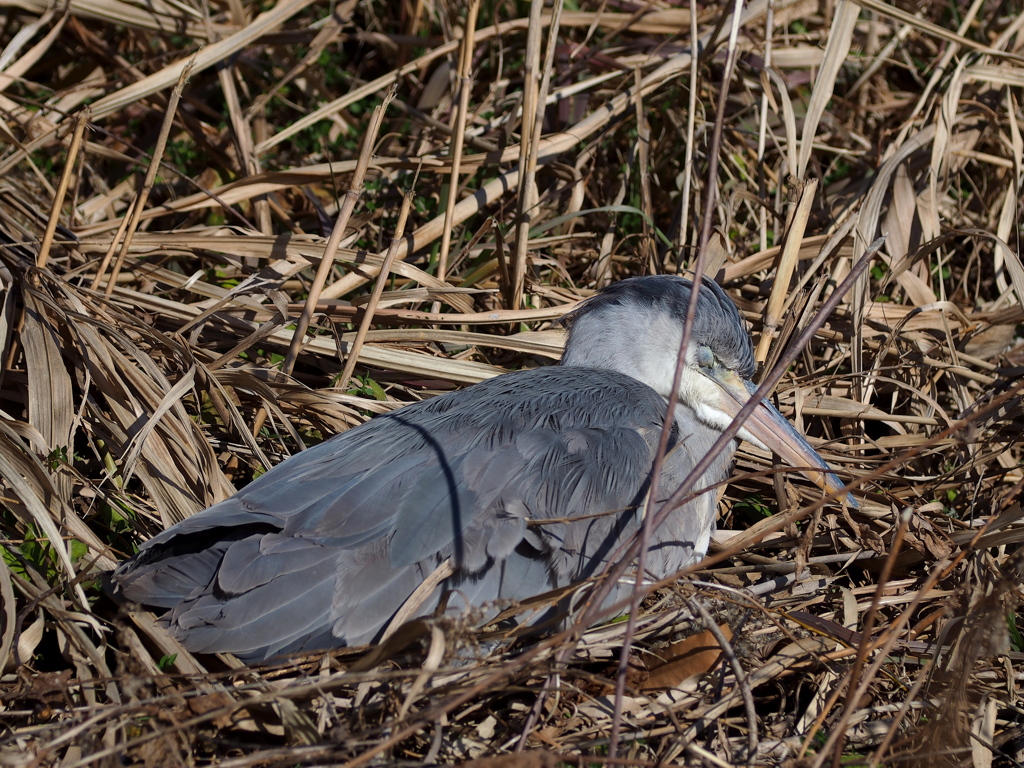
[
  {"x": 165, "y": 583},
  {"x": 264, "y": 622}
]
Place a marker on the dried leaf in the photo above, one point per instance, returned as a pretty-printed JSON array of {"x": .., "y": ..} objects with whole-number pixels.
[
  {"x": 9, "y": 614},
  {"x": 696, "y": 655},
  {"x": 30, "y": 638}
]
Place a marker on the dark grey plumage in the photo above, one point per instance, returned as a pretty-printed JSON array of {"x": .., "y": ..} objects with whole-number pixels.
[{"x": 324, "y": 549}]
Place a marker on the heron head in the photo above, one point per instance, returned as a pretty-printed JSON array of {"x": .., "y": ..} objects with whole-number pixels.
[{"x": 635, "y": 327}]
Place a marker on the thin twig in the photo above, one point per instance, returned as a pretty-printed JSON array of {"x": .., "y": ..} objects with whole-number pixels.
[
  {"x": 465, "y": 75},
  {"x": 866, "y": 635},
  {"x": 691, "y": 120},
  {"x": 737, "y": 669},
  {"x": 528, "y": 140},
  {"x": 337, "y": 233},
  {"x": 711, "y": 193},
  {"x": 81, "y": 122},
  {"x": 378, "y": 288},
  {"x": 139, "y": 205}
]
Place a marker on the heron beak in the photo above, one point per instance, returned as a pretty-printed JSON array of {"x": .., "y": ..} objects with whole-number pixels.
[{"x": 768, "y": 428}]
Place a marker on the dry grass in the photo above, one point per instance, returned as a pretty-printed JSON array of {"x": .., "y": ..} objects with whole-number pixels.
[{"x": 190, "y": 277}]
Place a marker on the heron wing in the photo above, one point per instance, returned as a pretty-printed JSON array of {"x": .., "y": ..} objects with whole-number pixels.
[
  {"x": 460, "y": 476},
  {"x": 340, "y": 535}
]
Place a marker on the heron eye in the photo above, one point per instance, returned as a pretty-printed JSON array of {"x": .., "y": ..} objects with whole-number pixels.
[{"x": 705, "y": 357}]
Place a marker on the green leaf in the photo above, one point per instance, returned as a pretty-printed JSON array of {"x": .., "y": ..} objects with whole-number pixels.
[
  {"x": 1016, "y": 639},
  {"x": 79, "y": 549},
  {"x": 57, "y": 457},
  {"x": 754, "y": 506}
]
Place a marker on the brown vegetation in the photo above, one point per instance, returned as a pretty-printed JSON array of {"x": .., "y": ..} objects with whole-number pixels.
[{"x": 196, "y": 203}]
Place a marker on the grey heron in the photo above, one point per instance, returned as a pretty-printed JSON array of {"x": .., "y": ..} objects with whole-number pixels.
[{"x": 324, "y": 549}]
